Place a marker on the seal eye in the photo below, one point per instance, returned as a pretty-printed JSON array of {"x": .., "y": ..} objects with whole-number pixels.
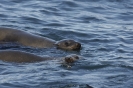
[
  {"x": 66, "y": 44},
  {"x": 68, "y": 59}
]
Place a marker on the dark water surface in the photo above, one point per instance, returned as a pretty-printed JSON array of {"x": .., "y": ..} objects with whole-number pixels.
[{"x": 104, "y": 27}]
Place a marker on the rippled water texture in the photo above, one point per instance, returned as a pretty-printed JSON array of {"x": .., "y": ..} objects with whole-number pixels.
[{"x": 104, "y": 28}]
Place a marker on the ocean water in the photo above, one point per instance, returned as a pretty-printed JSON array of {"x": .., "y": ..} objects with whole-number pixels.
[{"x": 103, "y": 27}]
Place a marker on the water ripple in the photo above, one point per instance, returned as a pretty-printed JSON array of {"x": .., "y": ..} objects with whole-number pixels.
[{"x": 104, "y": 30}]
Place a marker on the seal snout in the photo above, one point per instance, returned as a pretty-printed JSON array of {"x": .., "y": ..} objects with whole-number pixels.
[{"x": 78, "y": 46}]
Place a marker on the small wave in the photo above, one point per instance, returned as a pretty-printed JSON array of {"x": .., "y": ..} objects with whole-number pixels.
[
  {"x": 88, "y": 0},
  {"x": 68, "y": 4},
  {"x": 47, "y": 12},
  {"x": 125, "y": 16},
  {"x": 126, "y": 41},
  {"x": 127, "y": 67},
  {"x": 19, "y": 1},
  {"x": 88, "y": 19},
  {"x": 3, "y": 15},
  {"x": 56, "y": 24},
  {"x": 31, "y": 20},
  {"x": 100, "y": 40},
  {"x": 94, "y": 67},
  {"x": 116, "y": 0}
]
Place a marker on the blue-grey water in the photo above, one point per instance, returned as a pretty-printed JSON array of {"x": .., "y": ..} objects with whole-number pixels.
[{"x": 103, "y": 27}]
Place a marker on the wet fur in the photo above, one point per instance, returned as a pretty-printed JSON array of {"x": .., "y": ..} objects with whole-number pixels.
[
  {"x": 24, "y": 57},
  {"x": 30, "y": 40},
  {"x": 24, "y": 38}
]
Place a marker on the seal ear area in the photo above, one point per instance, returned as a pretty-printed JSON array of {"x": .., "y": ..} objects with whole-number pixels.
[{"x": 63, "y": 44}]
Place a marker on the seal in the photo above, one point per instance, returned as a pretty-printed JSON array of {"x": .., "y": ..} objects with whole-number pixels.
[
  {"x": 30, "y": 40},
  {"x": 25, "y": 57}
]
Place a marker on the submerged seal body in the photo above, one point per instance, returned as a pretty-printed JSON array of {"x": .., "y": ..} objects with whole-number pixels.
[
  {"x": 24, "y": 57},
  {"x": 27, "y": 39}
]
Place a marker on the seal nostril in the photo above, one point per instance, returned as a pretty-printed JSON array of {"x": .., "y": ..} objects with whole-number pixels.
[{"x": 77, "y": 46}]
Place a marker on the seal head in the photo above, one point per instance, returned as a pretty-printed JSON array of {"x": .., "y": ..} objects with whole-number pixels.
[
  {"x": 71, "y": 58},
  {"x": 68, "y": 45}
]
